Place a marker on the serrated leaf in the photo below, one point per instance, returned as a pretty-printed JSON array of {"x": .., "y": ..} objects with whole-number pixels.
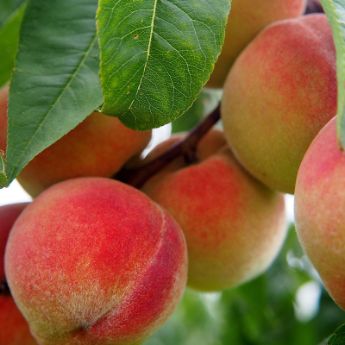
[
  {"x": 9, "y": 36},
  {"x": 7, "y": 8},
  {"x": 55, "y": 84},
  {"x": 156, "y": 55},
  {"x": 338, "y": 338},
  {"x": 335, "y": 11},
  {"x": 206, "y": 102}
]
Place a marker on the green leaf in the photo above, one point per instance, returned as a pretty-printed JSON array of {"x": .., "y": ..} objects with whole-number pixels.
[
  {"x": 9, "y": 36},
  {"x": 203, "y": 105},
  {"x": 7, "y": 8},
  {"x": 156, "y": 55},
  {"x": 335, "y": 11},
  {"x": 55, "y": 84},
  {"x": 3, "y": 177},
  {"x": 338, "y": 338}
]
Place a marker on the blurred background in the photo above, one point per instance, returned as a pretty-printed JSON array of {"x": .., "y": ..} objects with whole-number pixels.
[{"x": 285, "y": 306}]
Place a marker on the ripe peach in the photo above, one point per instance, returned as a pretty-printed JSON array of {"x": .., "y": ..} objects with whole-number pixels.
[
  {"x": 319, "y": 209},
  {"x": 281, "y": 91},
  {"x": 234, "y": 226},
  {"x": 93, "y": 261},
  {"x": 247, "y": 18},
  {"x": 99, "y": 146},
  {"x": 14, "y": 328}
]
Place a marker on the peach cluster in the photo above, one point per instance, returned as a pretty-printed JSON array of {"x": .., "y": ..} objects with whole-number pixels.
[
  {"x": 93, "y": 261},
  {"x": 280, "y": 92}
]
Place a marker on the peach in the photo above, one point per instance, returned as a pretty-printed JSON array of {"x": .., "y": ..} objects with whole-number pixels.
[
  {"x": 93, "y": 261},
  {"x": 319, "y": 210},
  {"x": 234, "y": 225},
  {"x": 99, "y": 146},
  {"x": 247, "y": 18},
  {"x": 281, "y": 91},
  {"x": 14, "y": 328}
]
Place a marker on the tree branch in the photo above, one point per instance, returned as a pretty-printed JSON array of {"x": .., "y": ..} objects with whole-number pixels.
[
  {"x": 137, "y": 177},
  {"x": 186, "y": 148}
]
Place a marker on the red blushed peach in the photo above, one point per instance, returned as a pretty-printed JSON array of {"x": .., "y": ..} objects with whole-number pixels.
[
  {"x": 93, "y": 261},
  {"x": 319, "y": 209},
  {"x": 99, "y": 146},
  {"x": 14, "y": 329},
  {"x": 247, "y": 18},
  {"x": 281, "y": 91},
  {"x": 234, "y": 225}
]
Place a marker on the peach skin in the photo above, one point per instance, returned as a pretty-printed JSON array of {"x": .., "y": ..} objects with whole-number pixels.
[
  {"x": 93, "y": 261},
  {"x": 319, "y": 210},
  {"x": 234, "y": 225},
  {"x": 281, "y": 91}
]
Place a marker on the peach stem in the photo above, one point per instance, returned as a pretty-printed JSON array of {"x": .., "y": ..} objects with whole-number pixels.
[{"x": 186, "y": 148}]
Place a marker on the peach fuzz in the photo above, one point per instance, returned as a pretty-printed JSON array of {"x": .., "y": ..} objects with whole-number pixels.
[
  {"x": 247, "y": 18},
  {"x": 319, "y": 210},
  {"x": 281, "y": 91},
  {"x": 14, "y": 328},
  {"x": 99, "y": 146},
  {"x": 234, "y": 226},
  {"x": 93, "y": 261}
]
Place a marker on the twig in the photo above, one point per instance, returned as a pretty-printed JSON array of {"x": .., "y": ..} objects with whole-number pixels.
[{"x": 186, "y": 148}]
